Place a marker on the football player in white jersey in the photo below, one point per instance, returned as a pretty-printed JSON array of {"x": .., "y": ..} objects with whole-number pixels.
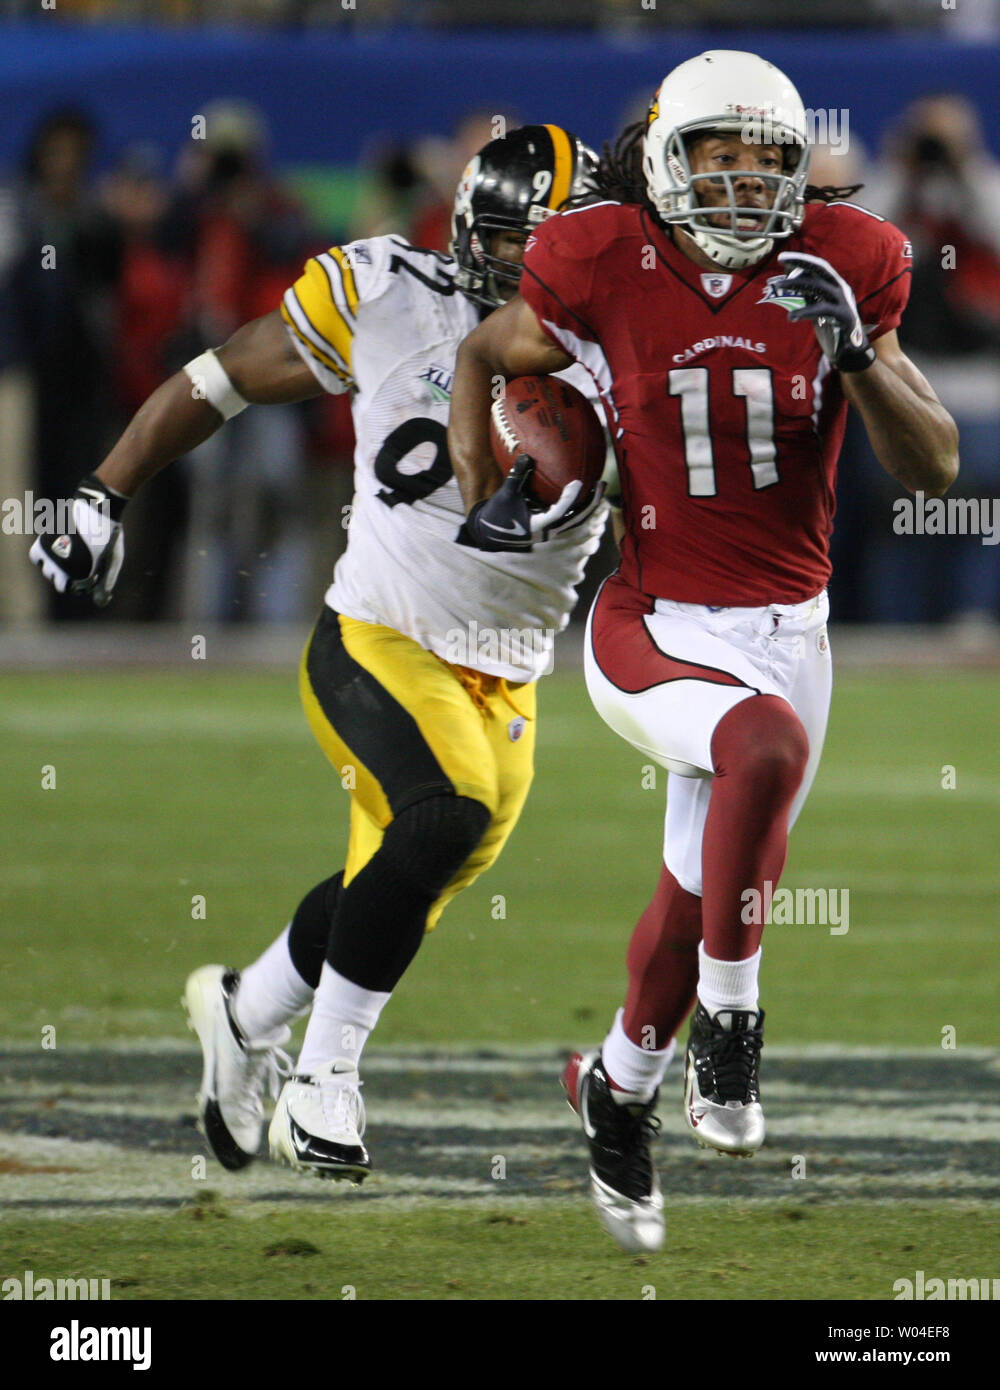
[{"x": 418, "y": 680}]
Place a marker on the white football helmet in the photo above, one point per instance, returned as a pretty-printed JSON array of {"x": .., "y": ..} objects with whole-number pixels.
[{"x": 731, "y": 93}]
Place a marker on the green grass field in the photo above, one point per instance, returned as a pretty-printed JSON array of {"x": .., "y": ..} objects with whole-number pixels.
[
  {"x": 776, "y": 1251},
  {"x": 173, "y": 786}
]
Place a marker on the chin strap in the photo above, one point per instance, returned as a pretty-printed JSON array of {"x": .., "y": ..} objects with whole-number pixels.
[{"x": 724, "y": 254}]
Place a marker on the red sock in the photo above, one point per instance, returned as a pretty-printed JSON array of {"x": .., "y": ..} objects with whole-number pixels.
[
  {"x": 663, "y": 964},
  {"x": 759, "y": 753}
]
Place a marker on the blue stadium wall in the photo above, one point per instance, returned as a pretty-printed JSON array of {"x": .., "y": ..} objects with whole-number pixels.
[{"x": 326, "y": 93}]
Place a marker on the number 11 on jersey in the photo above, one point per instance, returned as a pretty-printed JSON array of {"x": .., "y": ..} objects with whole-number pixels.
[{"x": 753, "y": 383}]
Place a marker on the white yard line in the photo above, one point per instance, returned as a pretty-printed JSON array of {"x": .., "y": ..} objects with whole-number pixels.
[{"x": 108, "y": 1177}]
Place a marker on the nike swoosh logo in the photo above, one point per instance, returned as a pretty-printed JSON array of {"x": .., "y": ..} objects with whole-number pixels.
[{"x": 516, "y": 530}]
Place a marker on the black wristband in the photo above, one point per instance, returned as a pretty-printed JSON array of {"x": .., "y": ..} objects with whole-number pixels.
[
  {"x": 856, "y": 359},
  {"x": 116, "y": 501}
]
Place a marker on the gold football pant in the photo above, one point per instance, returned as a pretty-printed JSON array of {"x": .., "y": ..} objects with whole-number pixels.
[{"x": 399, "y": 724}]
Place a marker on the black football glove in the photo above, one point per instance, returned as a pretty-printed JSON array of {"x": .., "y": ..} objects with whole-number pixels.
[
  {"x": 829, "y": 302},
  {"x": 506, "y": 521},
  {"x": 88, "y": 559}
]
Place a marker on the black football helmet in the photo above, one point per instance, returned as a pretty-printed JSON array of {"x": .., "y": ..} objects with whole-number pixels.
[{"x": 511, "y": 185}]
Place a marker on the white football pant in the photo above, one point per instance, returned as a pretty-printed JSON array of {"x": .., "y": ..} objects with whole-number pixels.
[{"x": 662, "y": 674}]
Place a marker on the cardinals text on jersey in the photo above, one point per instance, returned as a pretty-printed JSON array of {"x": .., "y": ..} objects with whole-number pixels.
[
  {"x": 728, "y": 418},
  {"x": 384, "y": 318}
]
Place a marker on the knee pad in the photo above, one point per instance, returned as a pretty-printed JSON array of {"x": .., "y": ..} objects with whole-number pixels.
[{"x": 427, "y": 843}]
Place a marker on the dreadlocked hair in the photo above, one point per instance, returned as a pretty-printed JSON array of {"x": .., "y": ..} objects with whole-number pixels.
[
  {"x": 620, "y": 179},
  {"x": 619, "y": 175}
]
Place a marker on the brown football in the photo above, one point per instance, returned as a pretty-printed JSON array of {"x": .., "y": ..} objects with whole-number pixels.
[{"x": 554, "y": 423}]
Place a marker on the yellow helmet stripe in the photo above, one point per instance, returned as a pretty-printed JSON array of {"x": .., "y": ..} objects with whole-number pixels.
[{"x": 562, "y": 180}]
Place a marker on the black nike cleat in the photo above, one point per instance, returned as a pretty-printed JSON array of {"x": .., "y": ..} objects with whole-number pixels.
[{"x": 623, "y": 1182}]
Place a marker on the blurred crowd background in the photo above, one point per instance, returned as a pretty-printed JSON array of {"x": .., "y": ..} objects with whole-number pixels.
[
  {"x": 164, "y": 244},
  {"x": 975, "y": 17}
]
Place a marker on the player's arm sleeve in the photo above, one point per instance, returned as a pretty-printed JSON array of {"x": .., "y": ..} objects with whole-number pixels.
[
  {"x": 555, "y": 281},
  {"x": 884, "y": 286},
  {"x": 321, "y": 309}
]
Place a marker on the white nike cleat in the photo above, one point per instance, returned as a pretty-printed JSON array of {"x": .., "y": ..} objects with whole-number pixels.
[
  {"x": 318, "y": 1123},
  {"x": 237, "y": 1069},
  {"x": 624, "y": 1186},
  {"x": 721, "y": 1090}
]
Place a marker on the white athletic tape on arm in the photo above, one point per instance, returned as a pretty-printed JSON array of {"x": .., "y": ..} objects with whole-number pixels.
[{"x": 208, "y": 376}]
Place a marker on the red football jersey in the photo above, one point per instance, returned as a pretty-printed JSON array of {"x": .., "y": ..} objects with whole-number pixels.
[{"x": 727, "y": 419}]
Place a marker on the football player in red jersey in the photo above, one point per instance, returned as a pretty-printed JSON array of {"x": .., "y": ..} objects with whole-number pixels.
[{"x": 729, "y": 314}]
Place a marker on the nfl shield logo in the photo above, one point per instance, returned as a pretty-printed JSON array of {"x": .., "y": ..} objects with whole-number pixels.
[
  {"x": 515, "y": 728},
  {"x": 62, "y": 547},
  {"x": 716, "y": 285}
]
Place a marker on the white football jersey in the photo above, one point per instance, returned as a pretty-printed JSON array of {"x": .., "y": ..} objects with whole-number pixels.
[{"x": 384, "y": 319}]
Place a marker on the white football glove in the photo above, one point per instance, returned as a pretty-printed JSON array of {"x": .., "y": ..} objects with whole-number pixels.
[{"x": 88, "y": 558}]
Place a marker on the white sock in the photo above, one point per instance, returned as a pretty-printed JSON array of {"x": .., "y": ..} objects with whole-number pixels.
[
  {"x": 637, "y": 1070},
  {"x": 271, "y": 991},
  {"x": 727, "y": 984},
  {"x": 343, "y": 1015}
]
